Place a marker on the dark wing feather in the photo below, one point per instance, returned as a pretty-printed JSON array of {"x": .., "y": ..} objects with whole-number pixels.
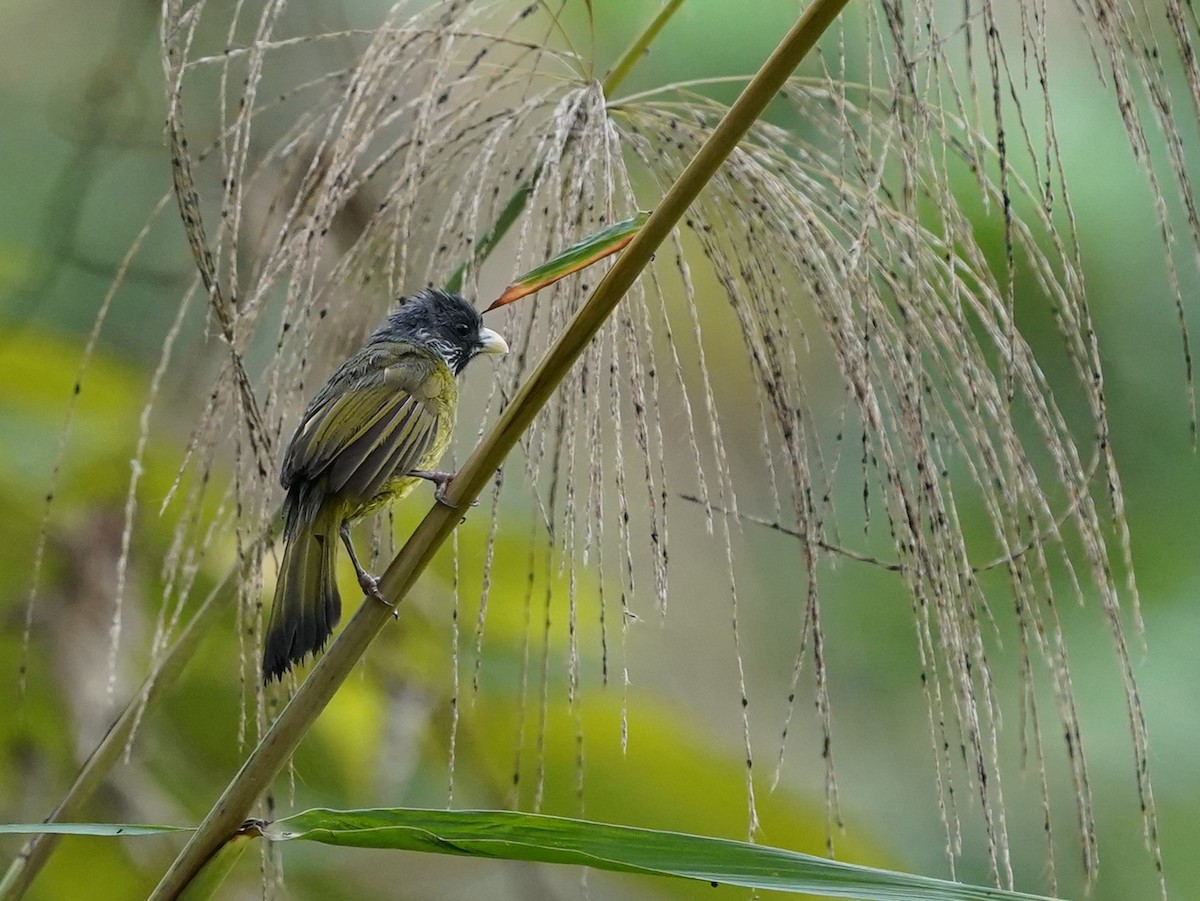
[
  {"x": 360, "y": 435},
  {"x": 329, "y": 427},
  {"x": 393, "y": 445}
]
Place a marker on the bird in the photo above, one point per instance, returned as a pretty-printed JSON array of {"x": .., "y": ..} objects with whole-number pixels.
[{"x": 368, "y": 437}]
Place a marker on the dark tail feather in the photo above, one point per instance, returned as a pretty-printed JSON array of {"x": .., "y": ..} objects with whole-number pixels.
[{"x": 306, "y": 605}]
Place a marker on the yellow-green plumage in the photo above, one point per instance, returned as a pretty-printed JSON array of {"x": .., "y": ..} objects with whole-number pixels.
[{"x": 387, "y": 411}]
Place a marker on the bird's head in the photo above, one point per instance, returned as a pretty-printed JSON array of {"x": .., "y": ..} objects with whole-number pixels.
[{"x": 445, "y": 323}]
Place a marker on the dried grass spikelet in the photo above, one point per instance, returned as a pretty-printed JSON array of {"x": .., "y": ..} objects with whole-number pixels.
[{"x": 953, "y": 407}]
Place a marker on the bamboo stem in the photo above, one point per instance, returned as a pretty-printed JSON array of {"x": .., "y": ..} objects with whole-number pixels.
[{"x": 637, "y": 49}]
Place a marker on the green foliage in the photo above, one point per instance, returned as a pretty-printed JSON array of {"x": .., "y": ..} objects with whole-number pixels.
[
  {"x": 578, "y": 256},
  {"x": 509, "y": 835}
]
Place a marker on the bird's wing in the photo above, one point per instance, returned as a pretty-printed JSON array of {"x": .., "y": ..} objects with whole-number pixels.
[{"x": 371, "y": 429}]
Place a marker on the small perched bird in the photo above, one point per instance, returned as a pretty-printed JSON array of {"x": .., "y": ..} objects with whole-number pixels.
[{"x": 375, "y": 429}]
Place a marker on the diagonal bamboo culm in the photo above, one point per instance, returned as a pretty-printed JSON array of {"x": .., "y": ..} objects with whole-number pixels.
[{"x": 332, "y": 669}]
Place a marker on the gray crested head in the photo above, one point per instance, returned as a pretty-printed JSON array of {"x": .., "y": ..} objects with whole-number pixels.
[{"x": 445, "y": 323}]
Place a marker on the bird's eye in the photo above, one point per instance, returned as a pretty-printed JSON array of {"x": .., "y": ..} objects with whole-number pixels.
[{"x": 463, "y": 329}]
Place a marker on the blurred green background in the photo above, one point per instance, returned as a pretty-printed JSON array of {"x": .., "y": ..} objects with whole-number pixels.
[{"x": 82, "y": 166}]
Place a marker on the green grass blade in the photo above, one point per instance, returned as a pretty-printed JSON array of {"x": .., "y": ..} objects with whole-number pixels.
[
  {"x": 203, "y": 887},
  {"x": 108, "y": 829},
  {"x": 577, "y": 256},
  {"x": 509, "y": 835},
  {"x": 512, "y": 210}
]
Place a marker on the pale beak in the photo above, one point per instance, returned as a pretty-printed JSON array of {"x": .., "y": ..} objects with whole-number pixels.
[{"x": 491, "y": 342}]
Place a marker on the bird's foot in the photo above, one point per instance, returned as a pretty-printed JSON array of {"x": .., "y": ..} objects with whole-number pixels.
[
  {"x": 367, "y": 582},
  {"x": 370, "y": 586},
  {"x": 442, "y": 480}
]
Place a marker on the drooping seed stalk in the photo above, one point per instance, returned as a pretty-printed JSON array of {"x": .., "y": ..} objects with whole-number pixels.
[{"x": 334, "y": 667}]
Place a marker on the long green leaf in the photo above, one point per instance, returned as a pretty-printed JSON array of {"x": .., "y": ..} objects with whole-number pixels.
[
  {"x": 107, "y": 829},
  {"x": 510, "y": 835},
  {"x": 206, "y": 883},
  {"x": 578, "y": 256}
]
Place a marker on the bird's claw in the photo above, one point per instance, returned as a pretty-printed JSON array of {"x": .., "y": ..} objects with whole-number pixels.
[
  {"x": 442, "y": 480},
  {"x": 370, "y": 586},
  {"x": 439, "y": 493},
  {"x": 367, "y": 582}
]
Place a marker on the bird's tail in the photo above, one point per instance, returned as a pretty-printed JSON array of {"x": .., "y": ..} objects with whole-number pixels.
[{"x": 307, "y": 605}]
